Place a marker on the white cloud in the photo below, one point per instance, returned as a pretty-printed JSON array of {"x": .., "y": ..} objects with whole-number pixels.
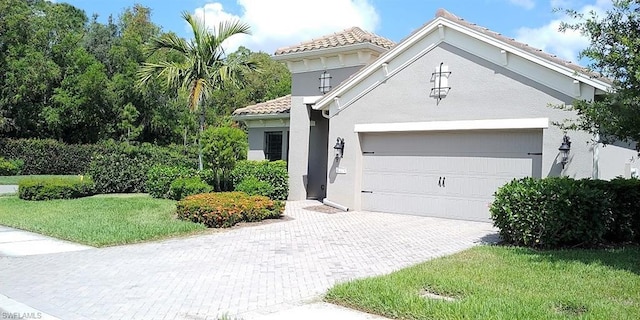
[
  {"x": 527, "y": 4},
  {"x": 550, "y": 39},
  {"x": 277, "y": 23}
]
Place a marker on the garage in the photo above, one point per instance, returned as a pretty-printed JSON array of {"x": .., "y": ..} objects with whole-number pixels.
[{"x": 446, "y": 174}]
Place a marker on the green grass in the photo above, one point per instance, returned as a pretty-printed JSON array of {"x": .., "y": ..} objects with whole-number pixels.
[
  {"x": 103, "y": 220},
  {"x": 491, "y": 282},
  {"x": 14, "y": 180}
]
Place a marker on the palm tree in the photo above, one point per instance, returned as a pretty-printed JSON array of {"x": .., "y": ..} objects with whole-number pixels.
[{"x": 203, "y": 66}]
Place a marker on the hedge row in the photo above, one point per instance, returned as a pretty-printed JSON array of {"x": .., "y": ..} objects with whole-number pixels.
[
  {"x": 123, "y": 159},
  {"x": 559, "y": 212},
  {"x": 10, "y": 167},
  {"x": 225, "y": 209},
  {"x": 272, "y": 172},
  {"x": 48, "y": 156},
  {"x": 55, "y": 188}
]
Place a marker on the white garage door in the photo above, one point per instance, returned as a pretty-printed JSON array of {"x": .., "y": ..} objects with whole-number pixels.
[{"x": 445, "y": 174}]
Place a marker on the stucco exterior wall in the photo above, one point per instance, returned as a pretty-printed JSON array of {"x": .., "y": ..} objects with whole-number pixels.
[
  {"x": 257, "y": 141},
  {"x": 480, "y": 90},
  {"x": 305, "y": 84}
]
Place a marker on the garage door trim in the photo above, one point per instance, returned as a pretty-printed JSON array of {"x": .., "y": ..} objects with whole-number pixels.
[{"x": 487, "y": 124}]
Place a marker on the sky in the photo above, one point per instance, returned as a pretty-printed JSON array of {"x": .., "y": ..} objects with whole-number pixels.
[{"x": 278, "y": 23}]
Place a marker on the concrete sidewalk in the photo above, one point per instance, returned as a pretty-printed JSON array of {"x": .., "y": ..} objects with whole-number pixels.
[
  {"x": 15, "y": 243},
  {"x": 8, "y": 189}
]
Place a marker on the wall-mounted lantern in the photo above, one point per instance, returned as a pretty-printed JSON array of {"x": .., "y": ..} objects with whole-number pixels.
[
  {"x": 565, "y": 148},
  {"x": 339, "y": 148},
  {"x": 440, "y": 79},
  {"x": 325, "y": 82}
]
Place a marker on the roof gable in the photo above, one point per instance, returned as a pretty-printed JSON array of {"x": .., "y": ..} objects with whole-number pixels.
[
  {"x": 351, "y": 36},
  {"x": 445, "y": 20}
]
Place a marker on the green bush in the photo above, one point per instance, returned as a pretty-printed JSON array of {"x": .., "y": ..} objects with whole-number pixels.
[
  {"x": 625, "y": 209},
  {"x": 183, "y": 187},
  {"x": 222, "y": 148},
  {"x": 225, "y": 209},
  {"x": 552, "y": 212},
  {"x": 123, "y": 168},
  {"x": 10, "y": 167},
  {"x": 254, "y": 187},
  {"x": 48, "y": 156},
  {"x": 160, "y": 177},
  {"x": 274, "y": 172},
  {"x": 55, "y": 188}
]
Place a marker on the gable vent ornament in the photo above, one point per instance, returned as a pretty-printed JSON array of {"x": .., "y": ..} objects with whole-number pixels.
[
  {"x": 440, "y": 80},
  {"x": 325, "y": 82}
]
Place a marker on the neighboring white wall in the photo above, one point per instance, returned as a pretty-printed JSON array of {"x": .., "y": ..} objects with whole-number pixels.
[{"x": 480, "y": 90}]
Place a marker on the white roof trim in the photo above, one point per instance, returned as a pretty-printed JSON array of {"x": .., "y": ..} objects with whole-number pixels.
[
  {"x": 260, "y": 116},
  {"x": 431, "y": 27},
  {"x": 489, "y": 124},
  {"x": 310, "y": 99}
]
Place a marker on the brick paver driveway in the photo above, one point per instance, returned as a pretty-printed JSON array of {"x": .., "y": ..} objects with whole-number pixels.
[{"x": 246, "y": 271}]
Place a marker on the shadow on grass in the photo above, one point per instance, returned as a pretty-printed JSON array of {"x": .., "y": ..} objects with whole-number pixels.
[{"x": 623, "y": 258}]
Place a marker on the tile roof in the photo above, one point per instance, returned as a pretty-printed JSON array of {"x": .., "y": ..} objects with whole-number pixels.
[
  {"x": 522, "y": 46},
  {"x": 353, "y": 35},
  {"x": 275, "y": 106}
]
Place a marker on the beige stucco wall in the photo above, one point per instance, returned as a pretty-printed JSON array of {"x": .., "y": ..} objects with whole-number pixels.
[{"x": 480, "y": 90}]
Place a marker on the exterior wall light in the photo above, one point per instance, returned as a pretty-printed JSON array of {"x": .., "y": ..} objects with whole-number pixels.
[
  {"x": 565, "y": 148},
  {"x": 440, "y": 79},
  {"x": 325, "y": 82},
  {"x": 339, "y": 148}
]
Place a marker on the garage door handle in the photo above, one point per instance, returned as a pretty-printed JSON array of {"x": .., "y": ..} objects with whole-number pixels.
[
  {"x": 443, "y": 181},
  {"x": 440, "y": 182}
]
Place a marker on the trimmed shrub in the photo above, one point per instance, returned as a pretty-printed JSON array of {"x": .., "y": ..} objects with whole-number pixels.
[
  {"x": 45, "y": 156},
  {"x": 10, "y": 167},
  {"x": 254, "y": 187},
  {"x": 222, "y": 147},
  {"x": 273, "y": 172},
  {"x": 552, "y": 212},
  {"x": 183, "y": 187},
  {"x": 123, "y": 168},
  {"x": 225, "y": 209},
  {"x": 160, "y": 177},
  {"x": 55, "y": 188},
  {"x": 625, "y": 210}
]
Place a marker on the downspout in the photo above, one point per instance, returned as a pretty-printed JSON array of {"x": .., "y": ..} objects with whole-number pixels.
[
  {"x": 595, "y": 173},
  {"x": 335, "y": 205}
]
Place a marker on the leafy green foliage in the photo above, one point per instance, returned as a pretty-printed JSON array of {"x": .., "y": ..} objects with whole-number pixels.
[
  {"x": 55, "y": 188},
  {"x": 160, "y": 177},
  {"x": 557, "y": 212},
  {"x": 48, "y": 156},
  {"x": 10, "y": 167},
  {"x": 183, "y": 187},
  {"x": 275, "y": 173},
  {"x": 225, "y": 209},
  {"x": 615, "y": 52},
  {"x": 222, "y": 147},
  {"x": 254, "y": 187},
  {"x": 122, "y": 168}
]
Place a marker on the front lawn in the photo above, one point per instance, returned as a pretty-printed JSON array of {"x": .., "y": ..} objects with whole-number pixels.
[
  {"x": 491, "y": 282},
  {"x": 103, "y": 220},
  {"x": 15, "y": 180}
]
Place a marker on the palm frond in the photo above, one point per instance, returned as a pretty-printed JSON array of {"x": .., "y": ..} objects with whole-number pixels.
[{"x": 168, "y": 41}]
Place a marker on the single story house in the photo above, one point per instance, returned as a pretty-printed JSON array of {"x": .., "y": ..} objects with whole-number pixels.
[{"x": 432, "y": 125}]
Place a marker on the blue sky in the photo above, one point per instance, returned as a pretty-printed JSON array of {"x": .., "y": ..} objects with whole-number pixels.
[{"x": 277, "y": 23}]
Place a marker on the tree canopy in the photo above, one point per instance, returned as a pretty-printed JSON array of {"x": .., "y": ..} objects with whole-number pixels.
[
  {"x": 72, "y": 78},
  {"x": 614, "y": 51}
]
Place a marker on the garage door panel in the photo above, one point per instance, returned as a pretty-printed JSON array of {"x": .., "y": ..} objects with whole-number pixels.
[{"x": 401, "y": 171}]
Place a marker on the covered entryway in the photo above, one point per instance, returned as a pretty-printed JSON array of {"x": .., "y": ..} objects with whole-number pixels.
[{"x": 448, "y": 174}]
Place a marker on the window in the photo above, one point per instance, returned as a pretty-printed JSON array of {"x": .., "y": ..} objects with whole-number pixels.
[
  {"x": 273, "y": 145},
  {"x": 325, "y": 82}
]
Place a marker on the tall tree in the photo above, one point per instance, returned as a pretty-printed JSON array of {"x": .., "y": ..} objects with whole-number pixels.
[
  {"x": 204, "y": 66},
  {"x": 615, "y": 53}
]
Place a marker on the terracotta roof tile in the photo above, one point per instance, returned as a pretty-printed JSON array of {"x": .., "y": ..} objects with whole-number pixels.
[
  {"x": 278, "y": 105},
  {"x": 353, "y": 35},
  {"x": 522, "y": 46}
]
